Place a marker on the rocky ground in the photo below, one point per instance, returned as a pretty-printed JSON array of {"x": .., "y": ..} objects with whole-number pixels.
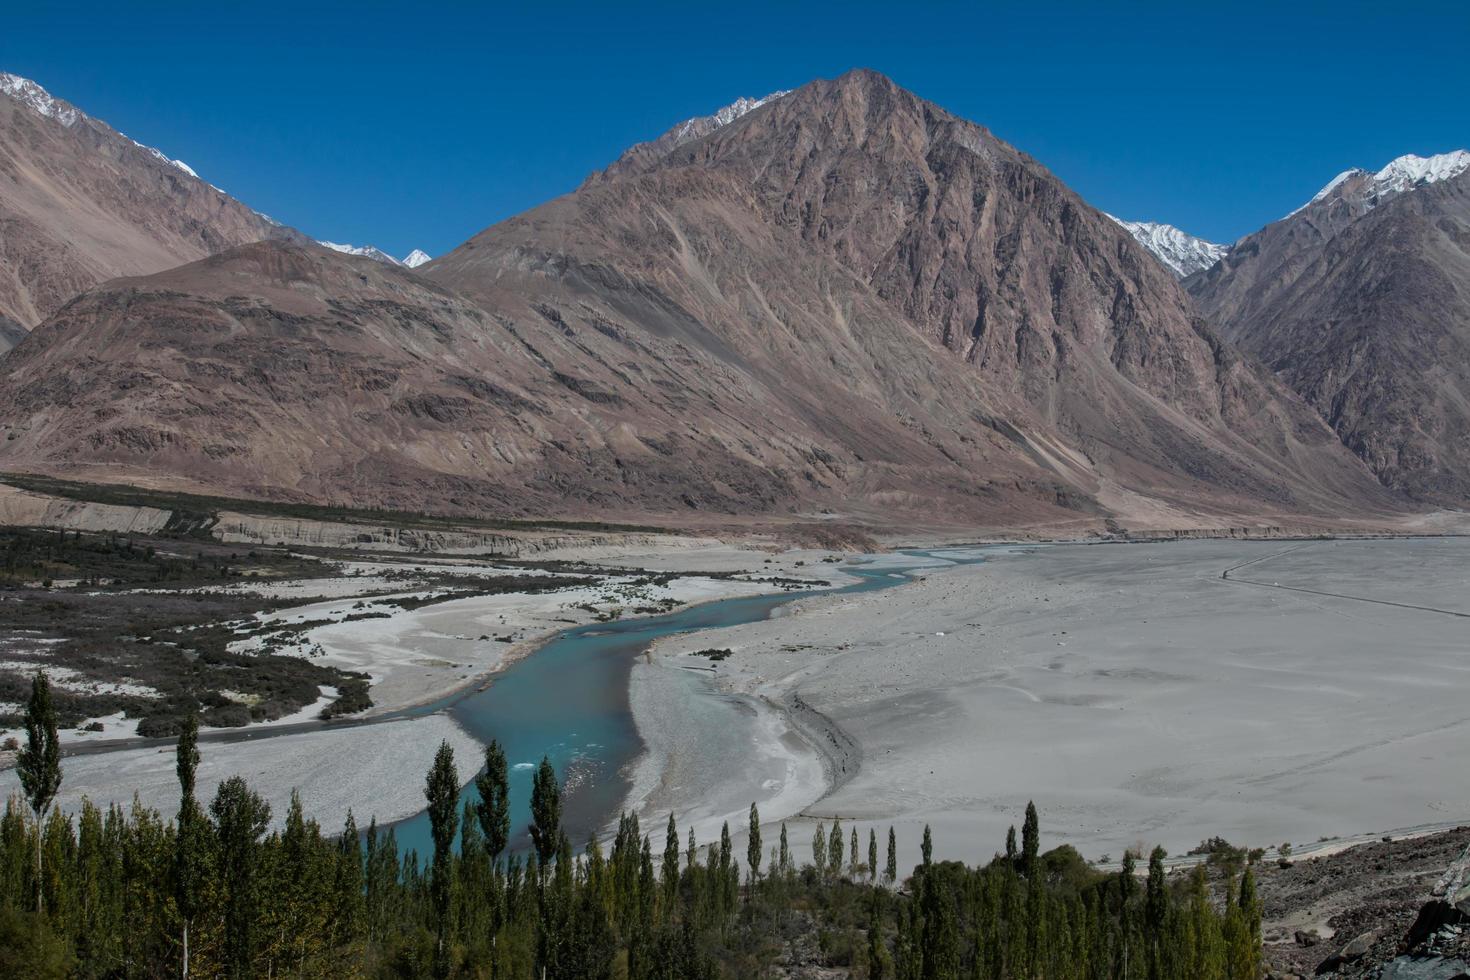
[{"x": 1368, "y": 911}]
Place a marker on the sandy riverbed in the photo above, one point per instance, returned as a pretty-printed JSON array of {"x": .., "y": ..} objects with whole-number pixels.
[
  {"x": 1136, "y": 695},
  {"x": 375, "y": 770},
  {"x": 415, "y": 656}
]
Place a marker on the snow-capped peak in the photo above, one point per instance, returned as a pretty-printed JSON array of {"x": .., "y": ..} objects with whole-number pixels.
[
  {"x": 413, "y": 260},
  {"x": 1400, "y": 176},
  {"x": 1182, "y": 252},
  {"x": 1334, "y": 183},
  {"x": 703, "y": 125},
  {"x": 1410, "y": 171},
  {"x": 37, "y": 99},
  {"x": 366, "y": 251}
]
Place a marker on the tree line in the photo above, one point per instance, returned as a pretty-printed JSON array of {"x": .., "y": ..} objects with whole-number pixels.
[{"x": 215, "y": 892}]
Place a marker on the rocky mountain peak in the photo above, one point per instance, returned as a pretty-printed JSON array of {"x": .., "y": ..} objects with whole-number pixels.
[
  {"x": 1182, "y": 252},
  {"x": 38, "y": 100},
  {"x": 1364, "y": 190}
]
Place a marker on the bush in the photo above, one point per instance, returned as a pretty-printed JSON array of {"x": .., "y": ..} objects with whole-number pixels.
[
  {"x": 234, "y": 716},
  {"x": 160, "y": 726}
]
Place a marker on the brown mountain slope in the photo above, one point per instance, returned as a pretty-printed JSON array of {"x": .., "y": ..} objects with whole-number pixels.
[
  {"x": 81, "y": 203},
  {"x": 1073, "y": 337},
  {"x": 1366, "y": 313},
  {"x": 846, "y": 299}
]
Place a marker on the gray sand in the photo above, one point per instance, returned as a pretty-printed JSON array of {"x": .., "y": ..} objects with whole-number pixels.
[{"x": 1133, "y": 693}]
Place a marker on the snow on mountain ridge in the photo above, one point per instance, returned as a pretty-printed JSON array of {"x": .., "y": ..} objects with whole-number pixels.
[
  {"x": 42, "y": 102},
  {"x": 413, "y": 260},
  {"x": 1410, "y": 171},
  {"x": 1182, "y": 252},
  {"x": 1401, "y": 175},
  {"x": 37, "y": 99},
  {"x": 703, "y": 125}
]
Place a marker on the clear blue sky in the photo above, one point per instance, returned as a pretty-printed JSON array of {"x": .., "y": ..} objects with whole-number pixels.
[{"x": 417, "y": 125}]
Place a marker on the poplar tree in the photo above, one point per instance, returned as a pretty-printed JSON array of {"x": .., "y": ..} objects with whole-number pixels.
[
  {"x": 240, "y": 818},
  {"x": 890, "y": 869},
  {"x": 852, "y": 854},
  {"x": 1030, "y": 842},
  {"x": 785, "y": 858},
  {"x": 819, "y": 850},
  {"x": 670, "y": 872},
  {"x": 1127, "y": 888},
  {"x": 493, "y": 785},
  {"x": 1244, "y": 921},
  {"x": 191, "y": 841},
  {"x": 1155, "y": 912},
  {"x": 441, "y": 790},
  {"x": 545, "y": 813},
  {"x": 39, "y": 765},
  {"x": 348, "y": 885},
  {"x": 834, "y": 850},
  {"x": 872, "y": 855},
  {"x": 753, "y": 846}
]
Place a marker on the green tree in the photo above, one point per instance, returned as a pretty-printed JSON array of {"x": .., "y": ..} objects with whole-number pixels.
[
  {"x": 545, "y": 813},
  {"x": 872, "y": 855},
  {"x": 240, "y": 818},
  {"x": 784, "y": 855},
  {"x": 1155, "y": 913},
  {"x": 669, "y": 874},
  {"x": 39, "y": 764},
  {"x": 753, "y": 845},
  {"x": 1030, "y": 841},
  {"x": 348, "y": 884},
  {"x": 1245, "y": 940},
  {"x": 890, "y": 867},
  {"x": 493, "y": 809},
  {"x": 441, "y": 790},
  {"x": 819, "y": 850},
  {"x": 191, "y": 840},
  {"x": 834, "y": 850}
]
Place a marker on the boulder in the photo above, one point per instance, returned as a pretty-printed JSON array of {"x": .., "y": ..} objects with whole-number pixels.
[
  {"x": 1359, "y": 947},
  {"x": 1433, "y": 916},
  {"x": 1424, "y": 968}
]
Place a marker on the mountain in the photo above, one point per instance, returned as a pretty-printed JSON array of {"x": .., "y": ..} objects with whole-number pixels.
[
  {"x": 81, "y": 203},
  {"x": 1363, "y": 190},
  {"x": 1360, "y": 300},
  {"x": 842, "y": 302},
  {"x": 690, "y": 130},
  {"x": 1181, "y": 252},
  {"x": 413, "y": 260}
]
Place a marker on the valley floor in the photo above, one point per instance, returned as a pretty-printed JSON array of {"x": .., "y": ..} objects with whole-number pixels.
[{"x": 1135, "y": 692}]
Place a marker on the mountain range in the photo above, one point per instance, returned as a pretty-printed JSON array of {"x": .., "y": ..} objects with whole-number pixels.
[
  {"x": 836, "y": 303},
  {"x": 81, "y": 203},
  {"x": 1360, "y": 301}
]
